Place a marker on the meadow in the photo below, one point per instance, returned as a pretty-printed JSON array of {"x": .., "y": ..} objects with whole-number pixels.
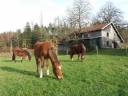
[{"x": 98, "y": 75}]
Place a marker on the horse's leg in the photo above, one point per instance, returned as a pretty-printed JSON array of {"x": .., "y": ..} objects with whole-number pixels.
[
  {"x": 71, "y": 56},
  {"x": 38, "y": 66},
  {"x": 47, "y": 67},
  {"x": 37, "y": 63},
  {"x": 21, "y": 59},
  {"x": 41, "y": 66},
  {"x": 14, "y": 58},
  {"x": 78, "y": 56},
  {"x": 82, "y": 56}
]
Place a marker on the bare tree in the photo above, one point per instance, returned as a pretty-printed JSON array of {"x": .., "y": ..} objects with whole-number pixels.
[
  {"x": 109, "y": 13},
  {"x": 79, "y": 13}
]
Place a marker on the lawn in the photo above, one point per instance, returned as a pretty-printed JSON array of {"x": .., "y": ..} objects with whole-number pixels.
[{"x": 97, "y": 75}]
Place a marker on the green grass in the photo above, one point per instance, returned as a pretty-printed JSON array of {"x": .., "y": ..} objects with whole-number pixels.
[{"x": 102, "y": 75}]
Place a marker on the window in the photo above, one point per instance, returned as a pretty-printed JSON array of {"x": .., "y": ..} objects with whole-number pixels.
[{"x": 107, "y": 34}]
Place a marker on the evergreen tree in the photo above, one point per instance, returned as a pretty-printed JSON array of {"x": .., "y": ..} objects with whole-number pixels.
[
  {"x": 36, "y": 34},
  {"x": 27, "y": 31},
  {"x": 27, "y": 34}
]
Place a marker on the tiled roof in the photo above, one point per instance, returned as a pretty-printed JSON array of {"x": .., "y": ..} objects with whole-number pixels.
[{"x": 93, "y": 28}]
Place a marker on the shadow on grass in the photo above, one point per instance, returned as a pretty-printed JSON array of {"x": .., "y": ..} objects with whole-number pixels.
[
  {"x": 24, "y": 72},
  {"x": 19, "y": 61},
  {"x": 13, "y": 61},
  {"x": 7, "y": 61}
]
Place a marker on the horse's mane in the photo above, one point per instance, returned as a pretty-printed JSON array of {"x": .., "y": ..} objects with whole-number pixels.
[{"x": 53, "y": 56}]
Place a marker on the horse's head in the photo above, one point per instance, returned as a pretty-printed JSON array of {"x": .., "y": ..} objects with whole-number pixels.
[
  {"x": 57, "y": 71},
  {"x": 55, "y": 63}
]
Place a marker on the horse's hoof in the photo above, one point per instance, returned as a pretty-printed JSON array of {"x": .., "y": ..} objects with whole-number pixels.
[{"x": 41, "y": 77}]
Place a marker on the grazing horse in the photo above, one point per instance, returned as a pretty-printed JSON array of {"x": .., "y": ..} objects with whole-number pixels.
[
  {"x": 78, "y": 49},
  {"x": 44, "y": 51},
  {"x": 23, "y": 53}
]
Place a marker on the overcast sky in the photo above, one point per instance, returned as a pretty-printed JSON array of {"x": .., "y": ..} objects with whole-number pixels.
[{"x": 15, "y": 13}]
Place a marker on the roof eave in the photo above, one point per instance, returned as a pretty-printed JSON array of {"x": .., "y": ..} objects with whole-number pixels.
[{"x": 121, "y": 38}]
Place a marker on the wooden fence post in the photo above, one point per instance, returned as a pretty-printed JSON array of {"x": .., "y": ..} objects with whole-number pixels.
[{"x": 97, "y": 50}]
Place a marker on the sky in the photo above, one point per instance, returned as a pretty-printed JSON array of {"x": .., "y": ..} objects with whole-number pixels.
[{"x": 15, "y": 13}]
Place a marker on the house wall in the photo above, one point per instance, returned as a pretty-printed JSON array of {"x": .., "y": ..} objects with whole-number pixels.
[
  {"x": 109, "y": 37},
  {"x": 106, "y": 38}
]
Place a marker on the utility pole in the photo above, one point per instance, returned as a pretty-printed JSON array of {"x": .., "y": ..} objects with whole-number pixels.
[
  {"x": 41, "y": 23},
  {"x": 41, "y": 18}
]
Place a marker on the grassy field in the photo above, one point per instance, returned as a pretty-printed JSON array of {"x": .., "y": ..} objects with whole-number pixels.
[{"x": 98, "y": 75}]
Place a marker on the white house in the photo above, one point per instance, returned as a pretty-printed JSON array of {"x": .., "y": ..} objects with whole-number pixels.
[{"x": 100, "y": 35}]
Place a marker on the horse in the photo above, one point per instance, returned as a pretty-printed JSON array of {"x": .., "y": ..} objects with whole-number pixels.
[
  {"x": 78, "y": 49},
  {"x": 44, "y": 51},
  {"x": 23, "y": 53}
]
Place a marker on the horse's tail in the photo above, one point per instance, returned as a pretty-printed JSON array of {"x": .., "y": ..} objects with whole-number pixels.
[
  {"x": 83, "y": 51},
  {"x": 13, "y": 55},
  {"x": 83, "y": 47},
  {"x": 28, "y": 53}
]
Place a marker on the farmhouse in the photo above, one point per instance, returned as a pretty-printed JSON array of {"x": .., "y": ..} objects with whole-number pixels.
[{"x": 99, "y": 35}]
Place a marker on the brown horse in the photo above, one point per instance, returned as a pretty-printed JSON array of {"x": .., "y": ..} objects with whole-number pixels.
[
  {"x": 78, "y": 49},
  {"x": 44, "y": 51},
  {"x": 23, "y": 53}
]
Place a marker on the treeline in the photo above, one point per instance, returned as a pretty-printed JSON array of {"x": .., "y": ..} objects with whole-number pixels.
[{"x": 30, "y": 34}]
